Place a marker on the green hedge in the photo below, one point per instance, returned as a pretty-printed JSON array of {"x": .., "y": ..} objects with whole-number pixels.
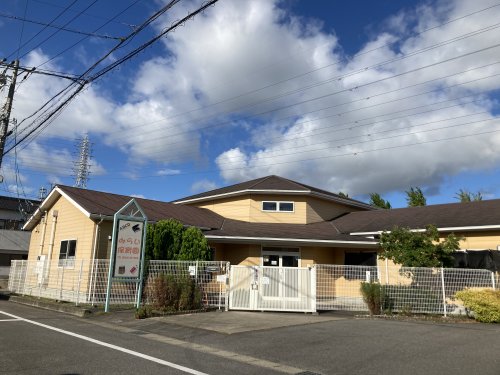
[{"x": 484, "y": 303}]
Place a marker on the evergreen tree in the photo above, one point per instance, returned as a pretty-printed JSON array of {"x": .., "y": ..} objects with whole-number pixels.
[
  {"x": 377, "y": 201},
  {"x": 467, "y": 196},
  {"x": 415, "y": 197}
]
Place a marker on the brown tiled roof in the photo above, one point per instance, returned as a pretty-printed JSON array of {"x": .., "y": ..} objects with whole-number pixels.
[
  {"x": 470, "y": 214},
  {"x": 107, "y": 204},
  {"x": 271, "y": 183},
  {"x": 316, "y": 231},
  {"x": 15, "y": 204}
]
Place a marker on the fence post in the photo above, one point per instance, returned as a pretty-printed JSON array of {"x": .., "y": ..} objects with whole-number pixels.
[
  {"x": 62, "y": 281},
  {"x": 19, "y": 276},
  {"x": 79, "y": 283},
  {"x": 493, "y": 280},
  {"x": 228, "y": 286},
  {"x": 313, "y": 289},
  {"x": 444, "y": 291},
  {"x": 25, "y": 277},
  {"x": 96, "y": 268}
]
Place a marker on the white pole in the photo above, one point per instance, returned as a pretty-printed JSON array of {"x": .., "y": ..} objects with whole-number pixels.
[
  {"x": 386, "y": 271},
  {"x": 220, "y": 293},
  {"x": 313, "y": 289},
  {"x": 444, "y": 292},
  {"x": 79, "y": 283},
  {"x": 62, "y": 281},
  {"x": 493, "y": 280}
]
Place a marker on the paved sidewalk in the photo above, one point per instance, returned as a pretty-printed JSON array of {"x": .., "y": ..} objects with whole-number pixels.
[{"x": 223, "y": 322}]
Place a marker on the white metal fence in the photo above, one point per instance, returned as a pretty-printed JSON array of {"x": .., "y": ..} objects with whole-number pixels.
[
  {"x": 323, "y": 287},
  {"x": 411, "y": 290},
  {"x": 84, "y": 281}
]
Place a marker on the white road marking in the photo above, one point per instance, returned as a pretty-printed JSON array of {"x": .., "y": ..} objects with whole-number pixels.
[
  {"x": 9, "y": 320},
  {"x": 111, "y": 346}
]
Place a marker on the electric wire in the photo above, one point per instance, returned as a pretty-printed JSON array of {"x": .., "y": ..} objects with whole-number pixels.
[
  {"x": 58, "y": 30},
  {"x": 40, "y": 31},
  {"x": 61, "y": 28},
  {"x": 45, "y": 122},
  {"x": 337, "y": 62}
]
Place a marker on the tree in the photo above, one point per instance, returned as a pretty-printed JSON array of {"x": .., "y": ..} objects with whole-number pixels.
[
  {"x": 419, "y": 249},
  {"x": 415, "y": 197},
  {"x": 169, "y": 240},
  {"x": 467, "y": 196},
  {"x": 343, "y": 195},
  {"x": 377, "y": 201},
  {"x": 194, "y": 245}
]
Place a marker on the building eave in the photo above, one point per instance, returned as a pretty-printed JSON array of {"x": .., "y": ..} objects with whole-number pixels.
[
  {"x": 271, "y": 192},
  {"x": 298, "y": 241},
  {"x": 440, "y": 229}
]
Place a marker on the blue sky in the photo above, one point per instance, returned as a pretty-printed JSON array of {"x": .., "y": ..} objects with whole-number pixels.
[{"x": 357, "y": 96}]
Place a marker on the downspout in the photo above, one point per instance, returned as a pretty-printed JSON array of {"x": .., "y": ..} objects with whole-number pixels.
[
  {"x": 97, "y": 237},
  {"x": 42, "y": 237},
  {"x": 55, "y": 213}
]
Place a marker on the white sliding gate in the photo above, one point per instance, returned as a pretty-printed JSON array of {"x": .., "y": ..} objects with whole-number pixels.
[{"x": 272, "y": 288}]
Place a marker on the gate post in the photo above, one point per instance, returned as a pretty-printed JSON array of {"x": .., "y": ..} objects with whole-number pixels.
[
  {"x": 313, "y": 288},
  {"x": 444, "y": 291},
  {"x": 228, "y": 287}
]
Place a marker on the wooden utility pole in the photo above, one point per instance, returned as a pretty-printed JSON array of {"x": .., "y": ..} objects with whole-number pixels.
[{"x": 5, "y": 116}]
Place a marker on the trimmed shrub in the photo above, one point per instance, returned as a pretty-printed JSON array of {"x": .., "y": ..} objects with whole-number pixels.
[
  {"x": 373, "y": 295},
  {"x": 170, "y": 294},
  {"x": 484, "y": 303}
]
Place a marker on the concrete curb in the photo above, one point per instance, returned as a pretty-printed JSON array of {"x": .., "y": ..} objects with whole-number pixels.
[{"x": 54, "y": 306}]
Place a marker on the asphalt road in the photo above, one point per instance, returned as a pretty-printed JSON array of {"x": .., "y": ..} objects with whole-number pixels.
[{"x": 34, "y": 341}]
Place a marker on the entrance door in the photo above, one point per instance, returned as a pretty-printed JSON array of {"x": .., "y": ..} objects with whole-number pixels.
[{"x": 278, "y": 272}]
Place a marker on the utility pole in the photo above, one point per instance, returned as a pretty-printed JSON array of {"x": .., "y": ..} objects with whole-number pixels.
[{"x": 5, "y": 116}]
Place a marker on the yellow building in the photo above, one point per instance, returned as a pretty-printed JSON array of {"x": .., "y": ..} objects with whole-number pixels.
[{"x": 269, "y": 221}]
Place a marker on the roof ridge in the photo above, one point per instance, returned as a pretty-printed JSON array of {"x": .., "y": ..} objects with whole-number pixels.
[{"x": 260, "y": 180}]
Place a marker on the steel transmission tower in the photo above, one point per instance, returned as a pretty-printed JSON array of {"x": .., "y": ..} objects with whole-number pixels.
[{"x": 82, "y": 165}]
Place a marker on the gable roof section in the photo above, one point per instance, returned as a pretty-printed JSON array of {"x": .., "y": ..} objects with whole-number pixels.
[
  {"x": 94, "y": 204},
  {"x": 14, "y": 204},
  {"x": 479, "y": 215},
  {"x": 322, "y": 233},
  {"x": 271, "y": 184}
]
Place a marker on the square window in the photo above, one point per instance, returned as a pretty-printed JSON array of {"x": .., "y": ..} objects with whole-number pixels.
[
  {"x": 286, "y": 206},
  {"x": 67, "y": 253},
  {"x": 269, "y": 206}
]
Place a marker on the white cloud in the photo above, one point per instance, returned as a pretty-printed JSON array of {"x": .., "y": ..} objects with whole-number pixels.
[
  {"x": 358, "y": 124},
  {"x": 202, "y": 186},
  {"x": 168, "y": 172},
  {"x": 365, "y": 141}
]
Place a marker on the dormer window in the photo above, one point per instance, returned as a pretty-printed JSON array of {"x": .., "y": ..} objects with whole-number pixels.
[{"x": 274, "y": 206}]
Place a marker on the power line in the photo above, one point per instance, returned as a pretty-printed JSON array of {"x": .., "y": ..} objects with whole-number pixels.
[
  {"x": 58, "y": 30},
  {"x": 355, "y": 123},
  {"x": 40, "y": 31},
  {"x": 474, "y": 33},
  {"x": 363, "y": 99},
  {"x": 61, "y": 28},
  {"x": 34, "y": 70},
  {"x": 45, "y": 122},
  {"x": 235, "y": 111},
  {"x": 87, "y": 14}
]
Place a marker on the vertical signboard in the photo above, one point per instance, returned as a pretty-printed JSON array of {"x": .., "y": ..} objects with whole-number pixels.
[{"x": 128, "y": 249}]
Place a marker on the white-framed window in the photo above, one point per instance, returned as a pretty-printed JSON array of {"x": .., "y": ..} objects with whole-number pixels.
[
  {"x": 280, "y": 256},
  {"x": 67, "y": 253},
  {"x": 278, "y": 206}
]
